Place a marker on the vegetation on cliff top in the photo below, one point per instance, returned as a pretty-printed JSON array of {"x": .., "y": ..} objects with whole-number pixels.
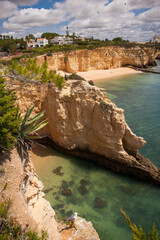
[{"x": 27, "y": 69}]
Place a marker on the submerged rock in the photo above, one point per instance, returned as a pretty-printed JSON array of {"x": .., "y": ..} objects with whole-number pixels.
[
  {"x": 82, "y": 189},
  {"x": 126, "y": 190},
  {"x": 71, "y": 183},
  {"x": 66, "y": 192},
  {"x": 84, "y": 182},
  {"x": 57, "y": 171},
  {"x": 62, "y": 211},
  {"x": 47, "y": 190},
  {"x": 58, "y": 206},
  {"x": 99, "y": 203}
]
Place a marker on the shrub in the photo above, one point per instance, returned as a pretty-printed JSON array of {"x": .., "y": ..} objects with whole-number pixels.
[
  {"x": 75, "y": 77},
  {"x": 59, "y": 82},
  {"x": 10, "y": 229},
  {"x": 139, "y": 234},
  {"x": 9, "y": 119}
]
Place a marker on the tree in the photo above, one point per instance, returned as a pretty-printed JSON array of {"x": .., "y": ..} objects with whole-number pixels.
[
  {"x": 30, "y": 36},
  {"x": 49, "y": 35},
  {"x": 117, "y": 40},
  {"x": 9, "y": 119}
]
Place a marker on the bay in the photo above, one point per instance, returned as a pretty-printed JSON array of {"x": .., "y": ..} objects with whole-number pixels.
[{"x": 139, "y": 96}]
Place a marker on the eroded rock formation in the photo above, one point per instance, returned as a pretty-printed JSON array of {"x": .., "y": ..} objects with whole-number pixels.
[
  {"x": 85, "y": 123},
  {"x": 100, "y": 58}
]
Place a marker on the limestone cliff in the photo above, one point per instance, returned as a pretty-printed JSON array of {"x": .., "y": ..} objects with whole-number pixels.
[
  {"x": 100, "y": 58},
  {"x": 85, "y": 123}
]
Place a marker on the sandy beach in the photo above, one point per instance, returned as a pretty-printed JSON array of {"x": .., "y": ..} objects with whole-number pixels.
[{"x": 99, "y": 75}]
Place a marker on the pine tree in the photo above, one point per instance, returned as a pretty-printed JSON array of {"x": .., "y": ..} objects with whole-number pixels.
[{"x": 9, "y": 119}]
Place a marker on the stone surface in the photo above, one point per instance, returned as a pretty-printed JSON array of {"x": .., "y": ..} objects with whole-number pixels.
[
  {"x": 85, "y": 123},
  {"x": 82, "y": 230},
  {"x": 100, "y": 58}
]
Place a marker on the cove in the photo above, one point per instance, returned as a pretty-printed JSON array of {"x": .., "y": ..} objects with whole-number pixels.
[{"x": 63, "y": 176}]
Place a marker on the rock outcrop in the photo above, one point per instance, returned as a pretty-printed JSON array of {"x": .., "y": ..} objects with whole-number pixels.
[
  {"x": 100, "y": 58},
  {"x": 85, "y": 123}
]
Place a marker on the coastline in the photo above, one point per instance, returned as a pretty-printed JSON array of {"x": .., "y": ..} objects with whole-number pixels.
[{"x": 102, "y": 75}]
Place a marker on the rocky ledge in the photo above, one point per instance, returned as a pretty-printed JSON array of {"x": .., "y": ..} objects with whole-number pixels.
[{"x": 83, "y": 122}]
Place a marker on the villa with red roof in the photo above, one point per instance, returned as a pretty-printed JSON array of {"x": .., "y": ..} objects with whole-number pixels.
[{"x": 40, "y": 42}]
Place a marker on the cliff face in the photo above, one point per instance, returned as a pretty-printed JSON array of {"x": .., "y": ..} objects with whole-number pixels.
[
  {"x": 85, "y": 123},
  {"x": 100, "y": 58}
]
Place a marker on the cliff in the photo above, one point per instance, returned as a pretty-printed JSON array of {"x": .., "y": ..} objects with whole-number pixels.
[
  {"x": 41, "y": 216},
  {"x": 100, "y": 58},
  {"x": 85, "y": 123}
]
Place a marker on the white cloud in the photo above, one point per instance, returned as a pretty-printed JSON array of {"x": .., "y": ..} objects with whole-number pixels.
[
  {"x": 101, "y": 19},
  {"x": 33, "y": 17},
  {"x": 139, "y": 4},
  {"x": 7, "y": 9},
  {"x": 23, "y": 2},
  {"x": 152, "y": 15}
]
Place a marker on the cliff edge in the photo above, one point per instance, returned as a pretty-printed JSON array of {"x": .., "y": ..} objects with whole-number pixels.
[
  {"x": 85, "y": 123},
  {"x": 99, "y": 58}
]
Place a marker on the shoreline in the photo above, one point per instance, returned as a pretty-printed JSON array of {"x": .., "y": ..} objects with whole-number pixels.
[{"x": 102, "y": 75}]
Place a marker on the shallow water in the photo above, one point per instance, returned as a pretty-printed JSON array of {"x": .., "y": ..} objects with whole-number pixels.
[{"x": 139, "y": 96}]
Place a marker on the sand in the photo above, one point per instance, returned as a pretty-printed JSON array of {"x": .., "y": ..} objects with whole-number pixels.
[{"x": 99, "y": 75}]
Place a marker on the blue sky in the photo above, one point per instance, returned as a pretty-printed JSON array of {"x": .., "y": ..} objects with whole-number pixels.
[{"x": 136, "y": 20}]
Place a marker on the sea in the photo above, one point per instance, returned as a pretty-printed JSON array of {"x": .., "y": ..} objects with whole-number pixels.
[{"x": 96, "y": 193}]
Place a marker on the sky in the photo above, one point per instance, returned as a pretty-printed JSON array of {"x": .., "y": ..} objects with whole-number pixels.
[{"x": 134, "y": 20}]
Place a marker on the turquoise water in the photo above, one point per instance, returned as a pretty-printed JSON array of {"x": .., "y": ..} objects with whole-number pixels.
[{"x": 139, "y": 95}]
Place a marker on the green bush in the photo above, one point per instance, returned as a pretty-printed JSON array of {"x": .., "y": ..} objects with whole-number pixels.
[
  {"x": 10, "y": 229},
  {"x": 9, "y": 119},
  {"x": 75, "y": 77},
  {"x": 59, "y": 82}
]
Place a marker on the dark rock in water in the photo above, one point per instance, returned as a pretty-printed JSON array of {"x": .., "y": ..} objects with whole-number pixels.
[
  {"x": 99, "y": 203},
  {"x": 66, "y": 192},
  {"x": 47, "y": 190},
  {"x": 126, "y": 189},
  {"x": 62, "y": 211},
  {"x": 121, "y": 223},
  {"x": 57, "y": 198},
  {"x": 58, "y": 206},
  {"x": 54, "y": 193},
  {"x": 84, "y": 182},
  {"x": 69, "y": 213},
  {"x": 71, "y": 183},
  {"x": 57, "y": 171},
  {"x": 64, "y": 184},
  {"x": 61, "y": 174},
  {"x": 82, "y": 189}
]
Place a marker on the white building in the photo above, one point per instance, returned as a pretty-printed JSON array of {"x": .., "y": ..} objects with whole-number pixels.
[
  {"x": 41, "y": 42},
  {"x": 156, "y": 39},
  {"x": 61, "y": 40}
]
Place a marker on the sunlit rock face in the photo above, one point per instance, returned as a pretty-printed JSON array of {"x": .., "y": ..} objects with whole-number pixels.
[
  {"x": 99, "y": 58},
  {"x": 85, "y": 123}
]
